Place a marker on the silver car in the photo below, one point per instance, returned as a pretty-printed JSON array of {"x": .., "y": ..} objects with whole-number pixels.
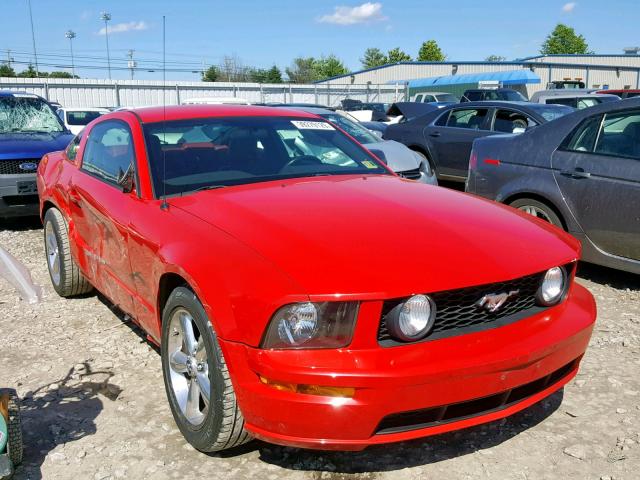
[{"x": 399, "y": 158}]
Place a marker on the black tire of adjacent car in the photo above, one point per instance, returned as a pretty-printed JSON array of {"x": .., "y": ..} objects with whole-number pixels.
[
  {"x": 14, "y": 430},
  {"x": 546, "y": 212},
  {"x": 223, "y": 427},
  {"x": 71, "y": 282}
]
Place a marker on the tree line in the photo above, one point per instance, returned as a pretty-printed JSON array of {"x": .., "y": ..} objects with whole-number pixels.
[{"x": 562, "y": 40}]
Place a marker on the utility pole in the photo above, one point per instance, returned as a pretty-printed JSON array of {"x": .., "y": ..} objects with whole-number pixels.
[
  {"x": 70, "y": 34},
  {"x": 33, "y": 36},
  {"x": 131, "y": 63},
  {"x": 9, "y": 58},
  {"x": 106, "y": 17}
]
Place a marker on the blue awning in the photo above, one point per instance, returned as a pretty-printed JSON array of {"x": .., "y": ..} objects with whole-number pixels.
[{"x": 511, "y": 77}]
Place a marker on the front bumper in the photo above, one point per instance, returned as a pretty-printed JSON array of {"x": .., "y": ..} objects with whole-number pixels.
[
  {"x": 409, "y": 378},
  {"x": 18, "y": 195}
]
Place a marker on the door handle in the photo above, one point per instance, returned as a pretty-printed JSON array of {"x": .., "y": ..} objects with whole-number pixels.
[
  {"x": 434, "y": 134},
  {"x": 577, "y": 173}
]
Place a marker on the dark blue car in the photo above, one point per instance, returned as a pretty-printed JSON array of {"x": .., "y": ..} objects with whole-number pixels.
[{"x": 29, "y": 129}]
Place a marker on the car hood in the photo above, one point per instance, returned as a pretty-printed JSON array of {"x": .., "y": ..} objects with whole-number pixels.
[
  {"x": 32, "y": 145},
  {"x": 398, "y": 157},
  {"x": 380, "y": 236}
]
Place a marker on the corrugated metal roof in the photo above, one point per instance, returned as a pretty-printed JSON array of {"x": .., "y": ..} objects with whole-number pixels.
[{"x": 511, "y": 77}]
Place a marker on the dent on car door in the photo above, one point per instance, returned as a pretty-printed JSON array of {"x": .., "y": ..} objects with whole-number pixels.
[
  {"x": 100, "y": 209},
  {"x": 598, "y": 171},
  {"x": 452, "y": 137}
]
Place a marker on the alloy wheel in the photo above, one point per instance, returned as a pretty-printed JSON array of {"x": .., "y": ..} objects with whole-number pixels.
[
  {"x": 536, "y": 212},
  {"x": 189, "y": 367},
  {"x": 53, "y": 253}
]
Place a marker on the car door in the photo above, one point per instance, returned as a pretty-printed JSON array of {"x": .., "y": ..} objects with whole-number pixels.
[
  {"x": 598, "y": 171},
  {"x": 451, "y": 137},
  {"x": 100, "y": 209}
]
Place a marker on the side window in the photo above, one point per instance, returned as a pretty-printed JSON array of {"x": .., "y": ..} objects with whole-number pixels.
[
  {"x": 508, "y": 120},
  {"x": 571, "y": 102},
  {"x": 418, "y": 98},
  {"x": 429, "y": 98},
  {"x": 583, "y": 138},
  {"x": 620, "y": 135},
  {"x": 109, "y": 151},
  {"x": 471, "y": 118},
  {"x": 474, "y": 96},
  {"x": 442, "y": 121},
  {"x": 72, "y": 149}
]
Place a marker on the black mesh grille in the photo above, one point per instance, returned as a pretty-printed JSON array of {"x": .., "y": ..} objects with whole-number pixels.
[
  {"x": 457, "y": 311},
  {"x": 429, "y": 417},
  {"x": 12, "y": 167},
  {"x": 411, "y": 174}
]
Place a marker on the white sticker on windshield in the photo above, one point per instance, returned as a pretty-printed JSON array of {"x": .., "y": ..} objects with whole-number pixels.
[{"x": 307, "y": 125}]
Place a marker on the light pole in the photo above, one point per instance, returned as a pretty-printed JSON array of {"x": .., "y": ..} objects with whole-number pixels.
[
  {"x": 106, "y": 17},
  {"x": 70, "y": 34},
  {"x": 131, "y": 63},
  {"x": 33, "y": 36}
]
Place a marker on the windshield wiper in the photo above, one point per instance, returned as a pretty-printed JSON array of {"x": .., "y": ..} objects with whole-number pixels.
[
  {"x": 206, "y": 187},
  {"x": 26, "y": 130}
]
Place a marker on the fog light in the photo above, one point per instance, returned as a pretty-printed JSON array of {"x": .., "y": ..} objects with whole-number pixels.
[
  {"x": 553, "y": 286},
  {"x": 320, "y": 390},
  {"x": 413, "y": 319}
]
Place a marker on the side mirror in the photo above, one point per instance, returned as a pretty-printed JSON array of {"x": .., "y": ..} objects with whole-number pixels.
[
  {"x": 125, "y": 179},
  {"x": 518, "y": 130}
]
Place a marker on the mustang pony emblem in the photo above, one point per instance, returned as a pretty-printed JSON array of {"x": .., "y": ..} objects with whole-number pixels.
[{"x": 493, "y": 301}]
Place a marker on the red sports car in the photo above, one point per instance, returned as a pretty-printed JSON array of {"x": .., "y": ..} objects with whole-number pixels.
[{"x": 301, "y": 292}]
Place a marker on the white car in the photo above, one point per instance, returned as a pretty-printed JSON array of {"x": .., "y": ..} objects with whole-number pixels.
[
  {"x": 215, "y": 101},
  {"x": 75, "y": 119}
]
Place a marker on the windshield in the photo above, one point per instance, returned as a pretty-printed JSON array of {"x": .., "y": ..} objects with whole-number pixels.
[
  {"x": 512, "y": 96},
  {"x": 557, "y": 111},
  {"x": 205, "y": 153},
  {"x": 358, "y": 132},
  {"x": 27, "y": 115},
  {"x": 447, "y": 97},
  {"x": 82, "y": 118}
]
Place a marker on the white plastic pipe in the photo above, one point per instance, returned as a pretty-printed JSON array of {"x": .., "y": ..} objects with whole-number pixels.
[{"x": 19, "y": 276}]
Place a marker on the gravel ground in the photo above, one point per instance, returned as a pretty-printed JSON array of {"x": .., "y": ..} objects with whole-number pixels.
[{"x": 94, "y": 405}]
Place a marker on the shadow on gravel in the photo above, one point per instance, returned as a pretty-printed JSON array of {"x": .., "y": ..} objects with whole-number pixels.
[
  {"x": 335, "y": 465},
  {"x": 608, "y": 276},
  {"x": 21, "y": 223},
  {"x": 62, "y": 412}
]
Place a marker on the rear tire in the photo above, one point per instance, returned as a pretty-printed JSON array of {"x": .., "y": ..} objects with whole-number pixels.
[
  {"x": 66, "y": 278},
  {"x": 14, "y": 429},
  {"x": 539, "y": 210},
  {"x": 196, "y": 377}
]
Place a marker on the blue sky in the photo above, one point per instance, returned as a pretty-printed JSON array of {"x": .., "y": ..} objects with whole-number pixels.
[{"x": 262, "y": 33}]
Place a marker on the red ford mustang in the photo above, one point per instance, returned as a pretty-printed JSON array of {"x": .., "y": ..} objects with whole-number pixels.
[{"x": 300, "y": 291}]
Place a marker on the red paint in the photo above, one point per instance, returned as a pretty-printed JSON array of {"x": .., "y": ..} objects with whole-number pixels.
[
  {"x": 248, "y": 250},
  {"x": 491, "y": 161}
]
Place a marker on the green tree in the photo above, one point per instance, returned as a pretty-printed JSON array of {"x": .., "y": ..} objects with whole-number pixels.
[
  {"x": 30, "y": 72},
  {"x": 396, "y": 55},
  {"x": 7, "y": 71},
  {"x": 58, "y": 74},
  {"x": 302, "y": 70},
  {"x": 373, "y": 57},
  {"x": 430, "y": 52},
  {"x": 564, "y": 40},
  {"x": 495, "y": 58},
  {"x": 329, "y": 66},
  {"x": 210, "y": 74},
  {"x": 274, "y": 75},
  {"x": 258, "y": 75}
]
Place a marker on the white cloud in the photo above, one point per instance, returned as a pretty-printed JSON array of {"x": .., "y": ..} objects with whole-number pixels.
[
  {"x": 366, "y": 13},
  {"x": 568, "y": 7},
  {"x": 124, "y": 27}
]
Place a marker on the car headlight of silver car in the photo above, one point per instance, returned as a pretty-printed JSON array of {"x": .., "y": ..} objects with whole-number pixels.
[
  {"x": 553, "y": 287},
  {"x": 413, "y": 319},
  {"x": 312, "y": 325},
  {"x": 425, "y": 166}
]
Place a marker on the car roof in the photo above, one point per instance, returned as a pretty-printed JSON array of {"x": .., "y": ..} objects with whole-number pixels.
[
  {"x": 10, "y": 93},
  {"x": 186, "y": 112},
  {"x": 490, "y": 90},
  {"x": 582, "y": 95},
  {"x": 314, "y": 110},
  {"x": 85, "y": 109}
]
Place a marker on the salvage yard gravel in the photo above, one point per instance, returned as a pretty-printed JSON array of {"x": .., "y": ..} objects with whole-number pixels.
[{"x": 94, "y": 404}]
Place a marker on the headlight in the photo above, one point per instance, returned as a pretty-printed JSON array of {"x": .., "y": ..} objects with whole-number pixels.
[
  {"x": 311, "y": 325},
  {"x": 553, "y": 286},
  {"x": 413, "y": 319}
]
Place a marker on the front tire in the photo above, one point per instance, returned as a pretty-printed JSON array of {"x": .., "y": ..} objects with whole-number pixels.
[
  {"x": 196, "y": 377},
  {"x": 14, "y": 427},
  {"x": 66, "y": 278},
  {"x": 539, "y": 210}
]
